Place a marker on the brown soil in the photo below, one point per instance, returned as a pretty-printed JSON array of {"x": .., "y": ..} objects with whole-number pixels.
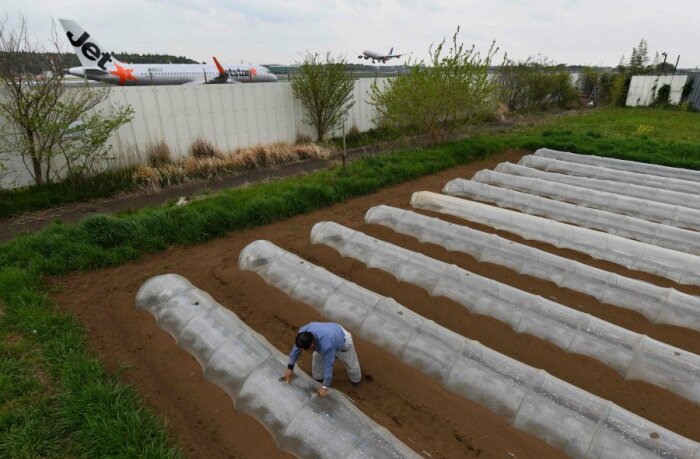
[{"x": 415, "y": 408}]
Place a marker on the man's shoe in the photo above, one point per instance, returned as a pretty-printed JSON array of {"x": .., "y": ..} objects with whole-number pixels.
[{"x": 356, "y": 384}]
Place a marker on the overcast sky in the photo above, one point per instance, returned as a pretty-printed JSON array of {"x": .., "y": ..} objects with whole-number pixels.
[{"x": 593, "y": 32}]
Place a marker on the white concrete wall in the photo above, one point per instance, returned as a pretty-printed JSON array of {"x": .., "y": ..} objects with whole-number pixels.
[
  {"x": 230, "y": 116},
  {"x": 644, "y": 88}
]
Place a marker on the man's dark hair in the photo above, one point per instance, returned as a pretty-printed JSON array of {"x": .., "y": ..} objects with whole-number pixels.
[{"x": 304, "y": 340}]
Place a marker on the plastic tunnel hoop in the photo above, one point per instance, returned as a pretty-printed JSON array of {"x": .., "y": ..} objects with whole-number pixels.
[
  {"x": 626, "y": 189},
  {"x": 683, "y": 268},
  {"x": 667, "y": 214},
  {"x": 621, "y": 164},
  {"x": 603, "y": 173},
  {"x": 657, "y": 304},
  {"x": 657, "y": 234},
  {"x": 633, "y": 355},
  {"x": 579, "y": 423},
  {"x": 247, "y": 367}
]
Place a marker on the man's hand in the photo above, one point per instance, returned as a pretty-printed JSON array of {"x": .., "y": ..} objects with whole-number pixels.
[
  {"x": 288, "y": 375},
  {"x": 322, "y": 391}
]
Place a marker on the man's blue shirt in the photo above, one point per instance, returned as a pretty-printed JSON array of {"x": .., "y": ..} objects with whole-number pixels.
[{"x": 330, "y": 339}]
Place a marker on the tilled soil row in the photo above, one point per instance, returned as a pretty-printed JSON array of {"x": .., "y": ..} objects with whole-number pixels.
[{"x": 412, "y": 406}]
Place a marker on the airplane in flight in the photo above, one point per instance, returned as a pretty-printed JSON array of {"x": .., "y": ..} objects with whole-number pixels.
[
  {"x": 383, "y": 58},
  {"x": 100, "y": 65}
]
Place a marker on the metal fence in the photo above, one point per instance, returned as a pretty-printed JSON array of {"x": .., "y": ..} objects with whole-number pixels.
[
  {"x": 229, "y": 116},
  {"x": 644, "y": 89},
  {"x": 694, "y": 96}
]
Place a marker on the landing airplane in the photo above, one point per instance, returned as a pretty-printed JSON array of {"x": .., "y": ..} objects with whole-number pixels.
[
  {"x": 102, "y": 66},
  {"x": 375, "y": 56}
]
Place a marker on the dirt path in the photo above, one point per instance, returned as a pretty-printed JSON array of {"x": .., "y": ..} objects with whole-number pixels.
[{"x": 415, "y": 408}]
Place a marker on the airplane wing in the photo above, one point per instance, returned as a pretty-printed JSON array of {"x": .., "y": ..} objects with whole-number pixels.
[{"x": 222, "y": 80}]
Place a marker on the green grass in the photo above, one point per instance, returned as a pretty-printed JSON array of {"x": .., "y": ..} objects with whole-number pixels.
[
  {"x": 27, "y": 199},
  {"x": 668, "y": 125},
  {"x": 57, "y": 400}
]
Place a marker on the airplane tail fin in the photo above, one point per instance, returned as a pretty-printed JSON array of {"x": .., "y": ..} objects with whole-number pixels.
[
  {"x": 89, "y": 52},
  {"x": 221, "y": 70},
  {"x": 391, "y": 51}
]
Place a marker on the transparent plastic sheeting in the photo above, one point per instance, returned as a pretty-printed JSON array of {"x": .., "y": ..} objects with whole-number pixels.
[
  {"x": 673, "y": 215},
  {"x": 658, "y": 304},
  {"x": 532, "y": 400},
  {"x": 683, "y": 268},
  {"x": 247, "y": 367},
  {"x": 627, "y": 189},
  {"x": 621, "y": 164},
  {"x": 633, "y": 355},
  {"x": 603, "y": 173},
  {"x": 658, "y": 234}
]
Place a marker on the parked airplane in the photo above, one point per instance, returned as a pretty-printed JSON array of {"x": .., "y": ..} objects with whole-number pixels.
[
  {"x": 100, "y": 65},
  {"x": 375, "y": 56}
]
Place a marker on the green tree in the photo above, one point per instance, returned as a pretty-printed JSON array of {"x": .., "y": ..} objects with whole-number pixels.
[
  {"x": 535, "y": 84},
  {"x": 45, "y": 120},
  {"x": 452, "y": 91},
  {"x": 324, "y": 88},
  {"x": 639, "y": 61}
]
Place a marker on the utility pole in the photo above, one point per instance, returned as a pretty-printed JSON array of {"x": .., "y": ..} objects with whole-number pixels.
[{"x": 663, "y": 66}]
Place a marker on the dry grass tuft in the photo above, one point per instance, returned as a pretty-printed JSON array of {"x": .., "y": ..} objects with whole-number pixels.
[
  {"x": 202, "y": 148},
  {"x": 194, "y": 168},
  {"x": 158, "y": 154},
  {"x": 302, "y": 138}
]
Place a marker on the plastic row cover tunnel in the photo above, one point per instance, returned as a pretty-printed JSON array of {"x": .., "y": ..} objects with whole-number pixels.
[
  {"x": 247, "y": 367},
  {"x": 658, "y": 304},
  {"x": 668, "y": 214},
  {"x": 621, "y": 164},
  {"x": 658, "y": 234},
  {"x": 675, "y": 198},
  {"x": 603, "y": 173},
  {"x": 633, "y": 355},
  {"x": 683, "y": 268},
  {"x": 532, "y": 400}
]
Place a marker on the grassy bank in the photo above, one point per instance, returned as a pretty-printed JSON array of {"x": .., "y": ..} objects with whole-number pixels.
[
  {"x": 56, "y": 400},
  {"x": 210, "y": 164}
]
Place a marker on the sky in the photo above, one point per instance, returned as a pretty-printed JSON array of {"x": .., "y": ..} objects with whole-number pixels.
[{"x": 585, "y": 32}]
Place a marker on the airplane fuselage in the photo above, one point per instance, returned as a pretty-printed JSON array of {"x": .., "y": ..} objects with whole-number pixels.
[
  {"x": 375, "y": 56},
  {"x": 173, "y": 74}
]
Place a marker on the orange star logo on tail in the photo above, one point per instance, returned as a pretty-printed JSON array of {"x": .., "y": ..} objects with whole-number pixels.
[{"x": 124, "y": 74}]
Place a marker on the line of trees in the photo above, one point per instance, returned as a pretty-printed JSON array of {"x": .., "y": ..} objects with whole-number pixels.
[{"x": 34, "y": 60}]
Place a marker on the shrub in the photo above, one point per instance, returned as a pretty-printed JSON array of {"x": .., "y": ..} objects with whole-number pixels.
[
  {"x": 324, "y": 88},
  {"x": 453, "y": 91},
  {"x": 663, "y": 95},
  {"x": 158, "y": 154},
  {"x": 618, "y": 90},
  {"x": 202, "y": 148},
  {"x": 535, "y": 84}
]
